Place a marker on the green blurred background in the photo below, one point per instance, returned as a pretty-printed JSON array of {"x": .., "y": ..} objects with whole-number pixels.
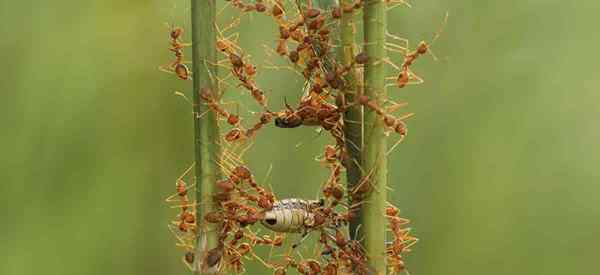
[{"x": 497, "y": 173}]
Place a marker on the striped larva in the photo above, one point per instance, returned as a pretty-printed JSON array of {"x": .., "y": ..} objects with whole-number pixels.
[{"x": 291, "y": 215}]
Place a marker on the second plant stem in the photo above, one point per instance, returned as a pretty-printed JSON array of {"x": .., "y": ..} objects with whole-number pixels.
[
  {"x": 373, "y": 159},
  {"x": 206, "y": 130}
]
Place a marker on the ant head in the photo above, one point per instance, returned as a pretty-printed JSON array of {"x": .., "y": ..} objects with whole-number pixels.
[
  {"x": 206, "y": 93},
  {"x": 422, "y": 48},
  {"x": 222, "y": 45},
  {"x": 176, "y": 32},
  {"x": 285, "y": 121},
  {"x": 189, "y": 257}
]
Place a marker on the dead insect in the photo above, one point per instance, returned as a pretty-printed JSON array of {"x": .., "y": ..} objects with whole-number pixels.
[
  {"x": 309, "y": 112},
  {"x": 291, "y": 215}
]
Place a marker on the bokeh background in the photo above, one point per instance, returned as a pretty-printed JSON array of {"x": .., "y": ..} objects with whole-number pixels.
[{"x": 498, "y": 173}]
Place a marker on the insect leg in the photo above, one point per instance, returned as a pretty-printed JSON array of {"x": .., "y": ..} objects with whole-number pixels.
[{"x": 304, "y": 236}]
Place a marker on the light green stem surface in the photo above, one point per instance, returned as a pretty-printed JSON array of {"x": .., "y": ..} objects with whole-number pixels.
[
  {"x": 206, "y": 131},
  {"x": 373, "y": 155},
  {"x": 353, "y": 116}
]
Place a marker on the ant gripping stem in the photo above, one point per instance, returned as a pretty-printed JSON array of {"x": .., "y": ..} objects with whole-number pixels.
[
  {"x": 214, "y": 105},
  {"x": 391, "y": 122}
]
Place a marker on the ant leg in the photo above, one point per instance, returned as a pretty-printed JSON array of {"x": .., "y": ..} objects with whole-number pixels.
[
  {"x": 166, "y": 69},
  {"x": 181, "y": 241},
  {"x": 395, "y": 106},
  {"x": 227, "y": 4},
  {"x": 177, "y": 198},
  {"x": 394, "y": 146},
  {"x": 304, "y": 237},
  {"x": 178, "y": 93},
  {"x": 398, "y": 38},
  {"x": 354, "y": 145},
  {"x": 233, "y": 158},
  {"x": 395, "y": 48},
  {"x": 271, "y": 66},
  {"x": 186, "y": 171},
  {"x": 221, "y": 63},
  {"x": 232, "y": 40},
  {"x": 418, "y": 79},
  {"x": 188, "y": 265},
  {"x": 392, "y": 4},
  {"x": 202, "y": 114},
  {"x": 186, "y": 205},
  {"x": 263, "y": 262},
  {"x": 364, "y": 180},
  {"x": 225, "y": 165},
  {"x": 389, "y": 62},
  {"x": 180, "y": 182}
]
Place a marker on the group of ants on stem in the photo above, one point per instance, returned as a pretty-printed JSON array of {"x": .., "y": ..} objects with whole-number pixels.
[{"x": 304, "y": 39}]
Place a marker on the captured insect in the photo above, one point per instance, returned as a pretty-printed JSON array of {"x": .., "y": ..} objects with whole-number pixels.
[
  {"x": 309, "y": 112},
  {"x": 292, "y": 215}
]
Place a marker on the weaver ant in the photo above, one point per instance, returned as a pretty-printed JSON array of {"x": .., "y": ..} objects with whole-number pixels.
[
  {"x": 238, "y": 132},
  {"x": 207, "y": 95},
  {"x": 178, "y": 67},
  {"x": 402, "y": 240},
  {"x": 406, "y": 75},
  {"x": 395, "y": 124}
]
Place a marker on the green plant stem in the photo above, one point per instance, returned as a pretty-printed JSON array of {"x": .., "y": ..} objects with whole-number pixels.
[
  {"x": 206, "y": 131},
  {"x": 345, "y": 37},
  {"x": 353, "y": 115},
  {"x": 327, "y": 5},
  {"x": 373, "y": 155}
]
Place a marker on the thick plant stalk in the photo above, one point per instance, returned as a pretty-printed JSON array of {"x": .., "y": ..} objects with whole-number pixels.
[
  {"x": 374, "y": 161},
  {"x": 352, "y": 116},
  {"x": 206, "y": 131}
]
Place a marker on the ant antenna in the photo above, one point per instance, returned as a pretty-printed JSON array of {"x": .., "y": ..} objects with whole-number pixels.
[{"x": 287, "y": 105}]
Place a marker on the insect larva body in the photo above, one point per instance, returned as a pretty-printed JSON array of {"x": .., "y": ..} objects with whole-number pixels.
[{"x": 290, "y": 215}]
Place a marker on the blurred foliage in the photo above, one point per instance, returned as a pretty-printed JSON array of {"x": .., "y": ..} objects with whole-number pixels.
[{"x": 498, "y": 172}]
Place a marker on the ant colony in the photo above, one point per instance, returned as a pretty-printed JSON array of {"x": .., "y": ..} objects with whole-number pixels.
[{"x": 244, "y": 206}]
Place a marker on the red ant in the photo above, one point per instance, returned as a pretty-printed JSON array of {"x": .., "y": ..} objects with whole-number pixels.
[
  {"x": 237, "y": 133},
  {"x": 410, "y": 57},
  {"x": 395, "y": 124},
  {"x": 207, "y": 95},
  {"x": 311, "y": 112},
  {"x": 177, "y": 66},
  {"x": 402, "y": 239}
]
